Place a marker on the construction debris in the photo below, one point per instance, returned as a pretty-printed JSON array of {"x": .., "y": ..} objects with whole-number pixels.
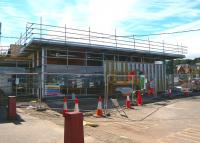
[{"x": 86, "y": 123}]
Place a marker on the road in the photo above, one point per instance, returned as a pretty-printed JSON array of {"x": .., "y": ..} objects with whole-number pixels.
[{"x": 176, "y": 121}]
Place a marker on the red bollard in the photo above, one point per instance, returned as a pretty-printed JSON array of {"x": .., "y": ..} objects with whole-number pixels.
[
  {"x": 11, "y": 108},
  {"x": 73, "y": 132}
]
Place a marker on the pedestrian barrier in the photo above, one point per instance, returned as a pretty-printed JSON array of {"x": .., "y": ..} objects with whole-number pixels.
[{"x": 119, "y": 109}]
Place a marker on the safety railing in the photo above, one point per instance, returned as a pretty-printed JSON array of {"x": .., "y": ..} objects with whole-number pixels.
[{"x": 63, "y": 34}]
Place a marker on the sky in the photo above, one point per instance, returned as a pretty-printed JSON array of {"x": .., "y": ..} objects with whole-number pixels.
[{"x": 127, "y": 17}]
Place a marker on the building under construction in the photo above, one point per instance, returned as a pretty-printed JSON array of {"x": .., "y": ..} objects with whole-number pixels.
[{"x": 55, "y": 61}]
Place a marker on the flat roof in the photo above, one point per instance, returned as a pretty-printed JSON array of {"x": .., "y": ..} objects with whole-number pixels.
[{"x": 37, "y": 43}]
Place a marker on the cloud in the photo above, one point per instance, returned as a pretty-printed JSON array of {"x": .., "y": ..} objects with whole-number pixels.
[
  {"x": 188, "y": 39},
  {"x": 13, "y": 22},
  {"x": 107, "y": 15},
  {"x": 53, "y": 11},
  {"x": 156, "y": 10},
  {"x": 130, "y": 17}
]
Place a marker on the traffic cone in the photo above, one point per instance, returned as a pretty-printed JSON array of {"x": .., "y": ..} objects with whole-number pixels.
[
  {"x": 76, "y": 108},
  {"x": 139, "y": 98},
  {"x": 99, "y": 111},
  {"x": 128, "y": 101},
  {"x": 65, "y": 110}
]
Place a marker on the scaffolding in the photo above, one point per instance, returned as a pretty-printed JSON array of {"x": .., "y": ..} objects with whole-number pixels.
[
  {"x": 63, "y": 35},
  {"x": 62, "y": 51}
]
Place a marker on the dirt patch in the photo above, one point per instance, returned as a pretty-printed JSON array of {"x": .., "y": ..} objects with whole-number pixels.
[{"x": 47, "y": 114}]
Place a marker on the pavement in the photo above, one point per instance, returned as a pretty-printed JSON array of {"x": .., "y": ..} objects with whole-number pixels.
[
  {"x": 167, "y": 121},
  {"x": 29, "y": 129}
]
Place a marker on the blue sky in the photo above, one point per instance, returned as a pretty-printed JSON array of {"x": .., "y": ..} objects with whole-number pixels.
[{"x": 136, "y": 17}]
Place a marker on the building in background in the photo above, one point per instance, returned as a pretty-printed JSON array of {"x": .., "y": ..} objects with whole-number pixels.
[{"x": 184, "y": 69}]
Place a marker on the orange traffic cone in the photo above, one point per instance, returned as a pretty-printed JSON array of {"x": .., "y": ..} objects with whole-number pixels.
[
  {"x": 65, "y": 110},
  {"x": 139, "y": 98},
  {"x": 99, "y": 111},
  {"x": 76, "y": 108},
  {"x": 128, "y": 101}
]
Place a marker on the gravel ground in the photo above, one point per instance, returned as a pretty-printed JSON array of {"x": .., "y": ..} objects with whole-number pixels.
[{"x": 159, "y": 122}]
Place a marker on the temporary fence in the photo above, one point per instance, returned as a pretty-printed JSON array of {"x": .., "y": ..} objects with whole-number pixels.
[
  {"x": 121, "y": 86},
  {"x": 117, "y": 86},
  {"x": 19, "y": 84},
  {"x": 155, "y": 73},
  {"x": 22, "y": 85},
  {"x": 58, "y": 85},
  {"x": 184, "y": 82}
]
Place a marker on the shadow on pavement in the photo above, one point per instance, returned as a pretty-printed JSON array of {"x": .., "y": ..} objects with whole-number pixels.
[{"x": 4, "y": 120}]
